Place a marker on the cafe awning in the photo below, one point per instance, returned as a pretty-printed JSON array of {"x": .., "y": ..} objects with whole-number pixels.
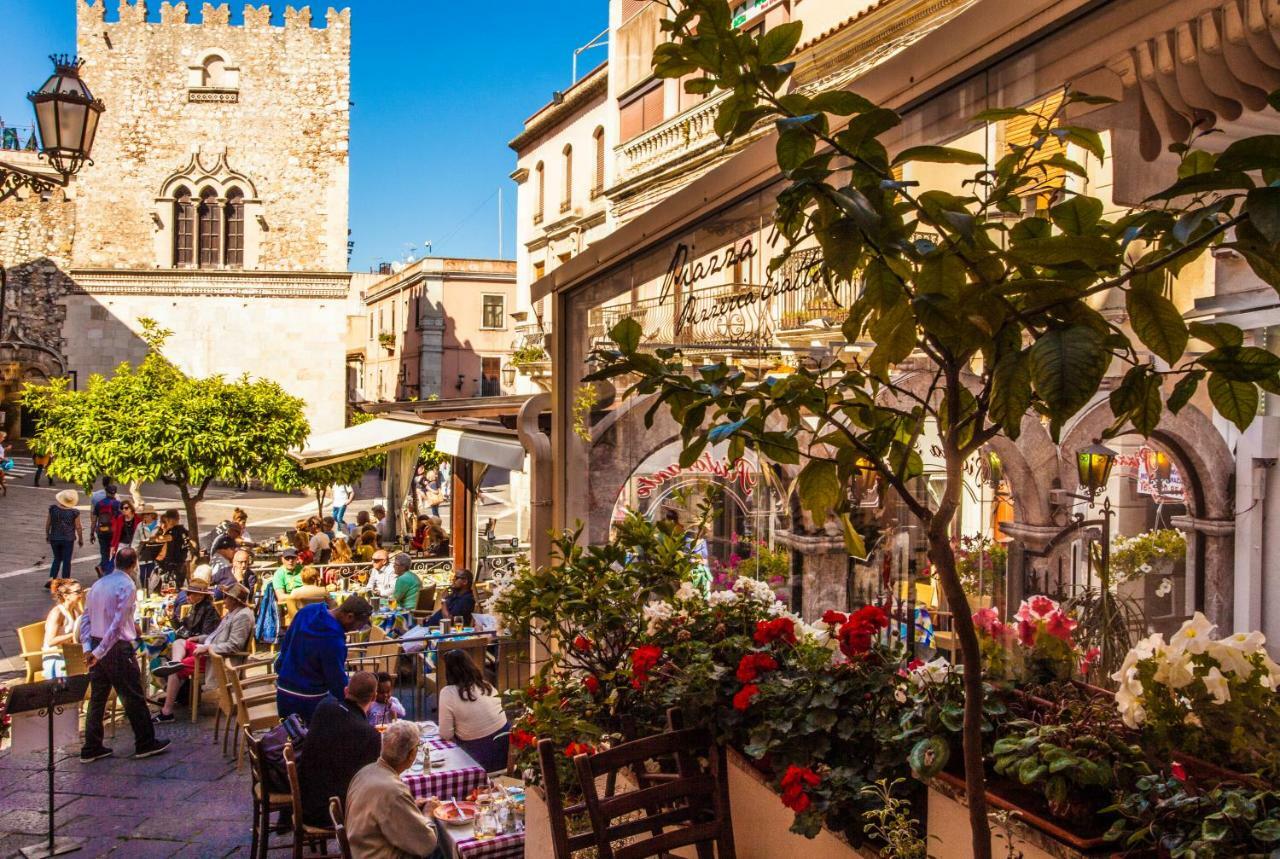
[
  {"x": 493, "y": 447},
  {"x": 375, "y": 436}
]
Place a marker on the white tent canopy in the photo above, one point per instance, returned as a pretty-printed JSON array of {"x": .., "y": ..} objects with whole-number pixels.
[
  {"x": 478, "y": 446},
  {"x": 375, "y": 436}
]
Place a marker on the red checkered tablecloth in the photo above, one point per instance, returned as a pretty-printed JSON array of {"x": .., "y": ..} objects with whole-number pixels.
[
  {"x": 499, "y": 847},
  {"x": 445, "y": 783}
]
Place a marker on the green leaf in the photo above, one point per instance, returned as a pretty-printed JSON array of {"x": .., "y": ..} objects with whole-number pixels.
[
  {"x": 841, "y": 243},
  {"x": 795, "y": 146},
  {"x": 819, "y": 488},
  {"x": 1263, "y": 206},
  {"x": 1235, "y": 401},
  {"x": 693, "y": 451},
  {"x": 853, "y": 543},
  {"x": 1251, "y": 153},
  {"x": 840, "y": 102},
  {"x": 1093, "y": 251},
  {"x": 1217, "y": 334},
  {"x": 1195, "y": 162},
  {"x": 1184, "y": 390},
  {"x": 778, "y": 43},
  {"x": 1077, "y": 215},
  {"x": 928, "y": 757},
  {"x": 939, "y": 155},
  {"x": 1267, "y": 829},
  {"x": 1202, "y": 183},
  {"x": 997, "y": 114},
  {"x": 627, "y": 335},
  {"x": 1157, "y": 323},
  {"x": 1137, "y": 398},
  {"x": 1067, "y": 365},
  {"x": 1243, "y": 363},
  {"x": 1086, "y": 138}
]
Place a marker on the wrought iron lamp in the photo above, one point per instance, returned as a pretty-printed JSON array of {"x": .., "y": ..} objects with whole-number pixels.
[
  {"x": 1093, "y": 466},
  {"x": 509, "y": 375}
]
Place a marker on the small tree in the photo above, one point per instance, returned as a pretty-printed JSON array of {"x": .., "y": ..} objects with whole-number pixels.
[
  {"x": 319, "y": 480},
  {"x": 154, "y": 422},
  {"x": 988, "y": 305}
]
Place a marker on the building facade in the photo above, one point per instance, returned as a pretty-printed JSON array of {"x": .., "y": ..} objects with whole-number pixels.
[
  {"x": 436, "y": 328},
  {"x": 216, "y": 205}
]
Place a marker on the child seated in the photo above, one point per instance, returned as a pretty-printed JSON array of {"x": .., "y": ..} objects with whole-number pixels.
[{"x": 386, "y": 708}]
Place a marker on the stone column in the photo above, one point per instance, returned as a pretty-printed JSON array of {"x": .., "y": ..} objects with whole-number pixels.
[
  {"x": 824, "y": 574},
  {"x": 431, "y": 358},
  {"x": 1212, "y": 540}
]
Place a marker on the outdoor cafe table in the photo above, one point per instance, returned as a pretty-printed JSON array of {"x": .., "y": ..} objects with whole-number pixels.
[
  {"x": 460, "y": 775},
  {"x": 458, "y": 841},
  {"x": 421, "y": 667}
]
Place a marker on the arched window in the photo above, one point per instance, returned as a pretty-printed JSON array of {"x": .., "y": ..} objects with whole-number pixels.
[
  {"x": 184, "y": 229},
  {"x": 566, "y": 202},
  {"x": 213, "y": 73},
  {"x": 233, "y": 256},
  {"x": 540, "y": 209},
  {"x": 597, "y": 185},
  {"x": 209, "y": 215}
]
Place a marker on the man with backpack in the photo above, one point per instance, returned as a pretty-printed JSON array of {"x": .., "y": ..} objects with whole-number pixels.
[{"x": 103, "y": 519}]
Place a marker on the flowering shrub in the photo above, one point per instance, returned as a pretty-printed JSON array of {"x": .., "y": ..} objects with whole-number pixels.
[
  {"x": 1038, "y": 648},
  {"x": 1133, "y": 557},
  {"x": 1212, "y": 697},
  {"x": 981, "y": 564}
]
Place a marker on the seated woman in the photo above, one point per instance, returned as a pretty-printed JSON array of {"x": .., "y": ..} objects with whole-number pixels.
[
  {"x": 421, "y": 533},
  {"x": 61, "y": 624},
  {"x": 437, "y": 541},
  {"x": 229, "y": 639},
  {"x": 471, "y": 713}
]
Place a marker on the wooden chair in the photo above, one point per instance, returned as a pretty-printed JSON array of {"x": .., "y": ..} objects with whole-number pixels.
[
  {"x": 265, "y": 801},
  {"x": 689, "y": 810},
  {"x": 476, "y": 648},
  {"x": 31, "y": 640},
  {"x": 379, "y": 653},
  {"x": 253, "y": 702},
  {"x": 195, "y": 686},
  {"x": 76, "y": 664},
  {"x": 313, "y": 838},
  {"x": 338, "y": 816}
]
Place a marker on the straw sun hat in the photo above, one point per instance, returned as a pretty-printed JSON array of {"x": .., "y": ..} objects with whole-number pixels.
[{"x": 68, "y": 498}]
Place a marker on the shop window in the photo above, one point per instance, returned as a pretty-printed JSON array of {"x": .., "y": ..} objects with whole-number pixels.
[
  {"x": 641, "y": 111},
  {"x": 493, "y": 311},
  {"x": 490, "y": 381},
  {"x": 184, "y": 233},
  {"x": 233, "y": 256}
]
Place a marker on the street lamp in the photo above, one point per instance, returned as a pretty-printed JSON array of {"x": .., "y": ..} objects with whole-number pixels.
[
  {"x": 67, "y": 120},
  {"x": 509, "y": 375},
  {"x": 1093, "y": 465}
]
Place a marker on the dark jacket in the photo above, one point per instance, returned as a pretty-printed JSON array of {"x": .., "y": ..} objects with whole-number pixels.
[
  {"x": 339, "y": 742},
  {"x": 313, "y": 655},
  {"x": 202, "y": 620}
]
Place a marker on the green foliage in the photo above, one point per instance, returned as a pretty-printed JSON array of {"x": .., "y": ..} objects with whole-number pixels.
[
  {"x": 890, "y": 823},
  {"x": 153, "y": 422},
  {"x": 981, "y": 564},
  {"x": 318, "y": 480},
  {"x": 1134, "y": 557},
  {"x": 527, "y": 355},
  {"x": 1223, "y": 822}
]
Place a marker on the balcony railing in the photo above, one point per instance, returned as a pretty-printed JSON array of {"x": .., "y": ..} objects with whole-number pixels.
[{"x": 675, "y": 137}]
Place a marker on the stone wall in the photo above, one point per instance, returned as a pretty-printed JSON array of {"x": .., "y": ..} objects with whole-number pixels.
[
  {"x": 35, "y": 248},
  {"x": 276, "y": 102}
]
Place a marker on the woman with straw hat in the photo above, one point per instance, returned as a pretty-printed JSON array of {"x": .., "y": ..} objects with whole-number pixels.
[{"x": 63, "y": 529}]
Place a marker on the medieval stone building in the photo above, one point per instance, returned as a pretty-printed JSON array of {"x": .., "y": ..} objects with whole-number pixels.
[{"x": 216, "y": 205}]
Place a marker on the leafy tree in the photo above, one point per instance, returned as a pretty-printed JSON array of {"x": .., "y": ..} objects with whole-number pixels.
[
  {"x": 992, "y": 308},
  {"x": 318, "y": 480},
  {"x": 154, "y": 422}
]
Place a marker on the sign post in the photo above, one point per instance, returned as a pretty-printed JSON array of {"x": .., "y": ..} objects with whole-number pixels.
[{"x": 48, "y": 698}]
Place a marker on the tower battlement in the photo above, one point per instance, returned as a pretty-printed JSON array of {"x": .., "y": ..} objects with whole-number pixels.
[{"x": 211, "y": 15}]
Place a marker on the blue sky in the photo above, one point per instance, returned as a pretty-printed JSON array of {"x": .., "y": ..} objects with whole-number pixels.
[{"x": 439, "y": 88}]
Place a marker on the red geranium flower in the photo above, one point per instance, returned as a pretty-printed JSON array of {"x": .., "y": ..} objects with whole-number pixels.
[
  {"x": 643, "y": 659},
  {"x": 779, "y": 629},
  {"x": 795, "y": 784},
  {"x": 742, "y": 700},
  {"x": 592, "y": 684},
  {"x": 521, "y": 738},
  {"x": 856, "y": 633},
  {"x": 833, "y": 617},
  {"x": 1179, "y": 771},
  {"x": 582, "y": 643},
  {"x": 753, "y": 665},
  {"x": 574, "y": 749}
]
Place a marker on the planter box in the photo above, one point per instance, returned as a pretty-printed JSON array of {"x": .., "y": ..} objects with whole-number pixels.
[
  {"x": 1035, "y": 838},
  {"x": 761, "y": 823}
]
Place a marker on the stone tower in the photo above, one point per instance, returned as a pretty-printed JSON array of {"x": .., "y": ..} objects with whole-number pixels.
[{"x": 216, "y": 204}]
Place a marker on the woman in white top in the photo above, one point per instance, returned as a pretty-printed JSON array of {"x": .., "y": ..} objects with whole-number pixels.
[
  {"x": 471, "y": 713},
  {"x": 61, "y": 625}
]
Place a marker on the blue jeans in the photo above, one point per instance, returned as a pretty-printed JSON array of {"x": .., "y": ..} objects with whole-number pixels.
[
  {"x": 339, "y": 514},
  {"x": 491, "y": 751},
  {"x": 61, "y": 557}
]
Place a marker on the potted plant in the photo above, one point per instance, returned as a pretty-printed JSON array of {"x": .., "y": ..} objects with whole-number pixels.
[{"x": 387, "y": 340}]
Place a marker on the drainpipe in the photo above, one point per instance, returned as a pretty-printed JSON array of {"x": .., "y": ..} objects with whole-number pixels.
[{"x": 1251, "y": 497}]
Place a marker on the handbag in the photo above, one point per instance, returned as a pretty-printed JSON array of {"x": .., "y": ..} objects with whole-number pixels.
[{"x": 291, "y": 730}]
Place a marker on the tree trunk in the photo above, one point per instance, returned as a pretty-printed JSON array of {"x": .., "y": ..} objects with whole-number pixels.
[
  {"x": 321, "y": 493},
  {"x": 189, "y": 502}
]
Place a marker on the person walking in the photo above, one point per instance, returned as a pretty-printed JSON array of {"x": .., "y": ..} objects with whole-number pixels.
[
  {"x": 63, "y": 529},
  {"x": 343, "y": 495},
  {"x": 313, "y": 655},
  {"x": 108, "y": 633},
  {"x": 41, "y": 461},
  {"x": 103, "y": 514}
]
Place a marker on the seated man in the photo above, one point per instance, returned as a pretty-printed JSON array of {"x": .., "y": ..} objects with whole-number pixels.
[
  {"x": 383, "y": 819},
  {"x": 229, "y": 638},
  {"x": 408, "y": 584},
  {"x": 203, "y": 617},
  {"x": 311, "y": 591},
  {"x": 339, "y": 743},
  {"x": 460, "y": 603},
  {"x": 289, "y": 574}
]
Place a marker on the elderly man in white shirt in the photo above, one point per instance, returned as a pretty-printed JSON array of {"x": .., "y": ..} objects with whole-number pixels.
[
  {"x": 382, "y": 576},
  {"x": 108, "y": 633}
]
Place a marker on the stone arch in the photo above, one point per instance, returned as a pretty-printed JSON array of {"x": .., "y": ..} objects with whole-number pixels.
[{"x": 213, "y": 68}]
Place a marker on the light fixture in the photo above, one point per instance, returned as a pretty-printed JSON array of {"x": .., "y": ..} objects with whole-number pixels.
[
  {"x": 993, "y": 469},
  {"x": 509, "y": 375},
  {"x": 1159, "y": 467},
  {"x": 1093, "y": 466},
  {"x": 66, "y": 116}
]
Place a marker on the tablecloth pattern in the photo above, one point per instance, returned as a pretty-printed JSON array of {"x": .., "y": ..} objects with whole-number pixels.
[
  {"x": 445, "y": 783},
  {"x": 510, "y": 846},
  {"x": 440, "y": 745}
]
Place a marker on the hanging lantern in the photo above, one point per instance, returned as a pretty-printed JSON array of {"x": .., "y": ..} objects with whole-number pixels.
[
  {"x": 1159, "y": 466},
  {"x": 66, "y": 116},
  {"x": 1093, "y": 466},
  {"x": 992, "y": 470}
]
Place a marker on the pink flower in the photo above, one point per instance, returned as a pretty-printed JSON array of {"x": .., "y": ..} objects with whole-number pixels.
[
  {"x": 1059, "y": 625},
  {"x": 1090, "y": 656},
  {"x": 1179, "y": 771},
  {"x": 988, "y": 620},
  {"x": 1027, "y": 633}
]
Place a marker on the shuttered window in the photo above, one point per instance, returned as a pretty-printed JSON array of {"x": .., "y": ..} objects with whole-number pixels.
[
  {"x": 597, "y": 183},
  {"x": 566, "y": 201},
  {"x": 184, "y": 229},
  {"x": 641, "y": 112},
  {"x": 1018, "y": 131},
  {"x": 210, "y": 235},
  {"x": 234, "y": 255}
]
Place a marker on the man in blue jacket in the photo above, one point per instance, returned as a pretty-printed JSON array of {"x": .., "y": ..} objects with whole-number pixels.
[{"x": 313, "y": 656}]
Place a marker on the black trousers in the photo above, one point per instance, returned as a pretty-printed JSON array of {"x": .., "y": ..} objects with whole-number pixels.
[{"x": 117, "y": 670}]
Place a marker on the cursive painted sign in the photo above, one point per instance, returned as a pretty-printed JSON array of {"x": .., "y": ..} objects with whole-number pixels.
[{"x": 737, "y": 472}]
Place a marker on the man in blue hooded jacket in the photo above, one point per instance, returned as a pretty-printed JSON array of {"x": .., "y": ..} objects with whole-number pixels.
[{"x": 313, "y": 656}]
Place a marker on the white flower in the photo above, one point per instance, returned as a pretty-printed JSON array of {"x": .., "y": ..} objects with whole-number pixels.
[
  {"x": 934, "y": 671},
  {"x": 1176, "y": 670},
  {"x": 1217, "y": 686},
  {"x": 1233, "y": 660},
  {"x": 1194, "y": 635},
  {"x": 1165, "y": 587},
  {"x": 1246, "y": 642},
  {"x": 1130, "y": 707},
  {"x": 657, "y": 612},
  {"x": 722, "y": 598},
  {"x": 900, "y": 695},
  {"x": 1149, "y": 646},
  {"x": 687, "y": 592},
  {"x": 1145, "y": 568}
]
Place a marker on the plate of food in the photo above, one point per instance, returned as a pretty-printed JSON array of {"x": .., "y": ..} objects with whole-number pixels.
[{"x": 455, "y": 812}]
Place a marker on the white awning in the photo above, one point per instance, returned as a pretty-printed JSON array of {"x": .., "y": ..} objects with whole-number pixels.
[
  {"x": 375, "y": 436},
  {"x": 491, "y": 448}
]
